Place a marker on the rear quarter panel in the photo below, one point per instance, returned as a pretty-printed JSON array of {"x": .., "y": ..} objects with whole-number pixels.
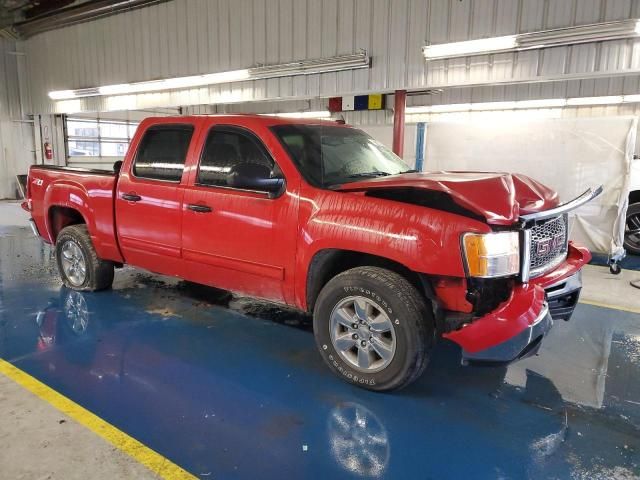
[{"x": 88, "y": 193}]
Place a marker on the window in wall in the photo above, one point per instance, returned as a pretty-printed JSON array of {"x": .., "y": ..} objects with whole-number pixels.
[
  {"x": 226, "y": 147},
  {"x": 162, "y": 152},
  {"x": 98, "y": 137}
]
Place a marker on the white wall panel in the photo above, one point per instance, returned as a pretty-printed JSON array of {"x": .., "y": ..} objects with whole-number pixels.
[
  {"x": 16, "y": 131},
  {"x": 185, "y": 37}
]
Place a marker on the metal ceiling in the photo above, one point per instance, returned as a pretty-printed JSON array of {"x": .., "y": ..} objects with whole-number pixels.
[
  {"x": 24, "y": 18},
  {"x": 13, "y": 11}
]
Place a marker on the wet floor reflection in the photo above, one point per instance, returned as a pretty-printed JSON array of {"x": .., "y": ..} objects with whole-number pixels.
[
  {"x": 358, "y": 439},
  {"x": 233, "y": 388}
]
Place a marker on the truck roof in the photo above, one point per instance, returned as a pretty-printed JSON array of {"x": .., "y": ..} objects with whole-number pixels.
[{"x": 247, "y": 118}]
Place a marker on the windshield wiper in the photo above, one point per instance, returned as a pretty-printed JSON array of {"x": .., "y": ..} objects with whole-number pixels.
[{"x": 368, "y": 174}]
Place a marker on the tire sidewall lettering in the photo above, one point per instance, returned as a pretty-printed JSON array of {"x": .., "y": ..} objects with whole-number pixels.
[
  {"x": 348, "y": 374},
  {"x": 351, "y": 290}
]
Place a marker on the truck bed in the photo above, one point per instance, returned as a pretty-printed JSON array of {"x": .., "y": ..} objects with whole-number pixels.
[{"x": 54, "y": 191}]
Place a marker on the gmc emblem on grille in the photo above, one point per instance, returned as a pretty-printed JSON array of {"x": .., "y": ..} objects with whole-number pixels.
[{"x": 548, "y": 245}]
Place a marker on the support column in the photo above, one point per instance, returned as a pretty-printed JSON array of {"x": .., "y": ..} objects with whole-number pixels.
[{"x": 399, "y": 104}]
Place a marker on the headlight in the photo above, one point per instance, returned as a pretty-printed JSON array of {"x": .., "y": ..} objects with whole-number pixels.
[{"x": 492, "y": 254}]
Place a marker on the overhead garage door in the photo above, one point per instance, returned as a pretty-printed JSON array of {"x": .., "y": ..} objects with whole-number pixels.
[{"x": 97, "y": 142}]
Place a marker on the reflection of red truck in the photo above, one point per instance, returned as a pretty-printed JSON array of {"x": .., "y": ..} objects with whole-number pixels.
[{"x": 322, "y": 217}]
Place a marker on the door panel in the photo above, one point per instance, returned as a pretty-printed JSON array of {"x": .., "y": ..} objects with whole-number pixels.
[
  {"x": 152, "y": 224},
  {"x": 149, "y": 200},
  {"x": 246, "y": 242},
  {"x": 241, "y": 244}
]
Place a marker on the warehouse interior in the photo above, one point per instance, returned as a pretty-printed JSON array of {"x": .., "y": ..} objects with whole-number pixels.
[{"x": 162, "y": 375}]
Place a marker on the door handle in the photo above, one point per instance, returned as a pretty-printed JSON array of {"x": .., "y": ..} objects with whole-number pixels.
[
  {"x": 199, "y": 208},
  {"x": 131, "y": 197}
]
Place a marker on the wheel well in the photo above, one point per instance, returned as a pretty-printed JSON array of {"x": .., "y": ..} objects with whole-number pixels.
[
  {"x": 326, "y": 264},
  {"x": 60, "y": 217},
  {"x": 634, "y": 197}
]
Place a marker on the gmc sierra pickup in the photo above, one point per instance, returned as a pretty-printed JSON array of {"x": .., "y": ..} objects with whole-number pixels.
[{"x": 324, "y": 218}]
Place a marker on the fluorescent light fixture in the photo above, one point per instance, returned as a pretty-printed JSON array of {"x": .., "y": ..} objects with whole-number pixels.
[
  {"x": 604, "y": 100},
  {"x": 469, "y": 47},
  {"x": 487, "y": 106},
  {"x": 456, "y": 107},
  {"x": 596, "y": 32},
  {"x": 174, "y": 83},
  {"x": 543, "y": 103},
  {"x": 303, "y": 67},
  {"x": 495, "y": 116},
  {"x": 524, "y": 104},
  {"x": 318, "y": 114},
  {"x": 61, "y": 95}
]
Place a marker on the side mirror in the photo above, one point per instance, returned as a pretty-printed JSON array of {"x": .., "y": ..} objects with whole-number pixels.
[
  {"x": 117, "y": 166},
  {"x": 254, "y": 176}
]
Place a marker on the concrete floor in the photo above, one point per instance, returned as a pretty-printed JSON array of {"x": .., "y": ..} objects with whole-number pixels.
[
  {"x": 233, "y": 388},
  {"x": 602, "y": 287},
  {"x": 11, "y": 215},
  {"x": 39, "y": 442}
]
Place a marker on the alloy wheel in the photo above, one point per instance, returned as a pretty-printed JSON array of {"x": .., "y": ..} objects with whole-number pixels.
[
  {"x": 362, "y": 334},
  {"x": 74, "y": 264}
]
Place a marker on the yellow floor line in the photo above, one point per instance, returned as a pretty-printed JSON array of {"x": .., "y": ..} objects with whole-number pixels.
[
  {"x": 132, "y": 447},
  {"x": 615, "y": 307}
]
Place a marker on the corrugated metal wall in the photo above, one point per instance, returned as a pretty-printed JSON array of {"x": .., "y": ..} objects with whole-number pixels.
[
  {"x": 16, "y": 132},
  {"x": 184, "y": 37},
  {"x": 490, "y": 93}
]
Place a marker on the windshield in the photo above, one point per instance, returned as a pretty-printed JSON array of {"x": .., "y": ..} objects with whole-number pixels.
[{"x": 330, "y": 155}]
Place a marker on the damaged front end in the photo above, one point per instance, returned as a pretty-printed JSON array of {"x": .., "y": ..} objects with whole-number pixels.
[
  {"x": 509, "y": 325},
  {"x": 511, "y": 332}
]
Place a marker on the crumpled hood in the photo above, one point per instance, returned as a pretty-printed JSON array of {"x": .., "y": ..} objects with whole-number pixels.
[{"x": 498, "y": 197}]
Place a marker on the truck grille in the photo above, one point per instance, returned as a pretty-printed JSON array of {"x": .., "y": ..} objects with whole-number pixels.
[{"x": 549, "y": 242}]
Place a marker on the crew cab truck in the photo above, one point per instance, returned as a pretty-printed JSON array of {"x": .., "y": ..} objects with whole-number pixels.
[{"x": 322, "y": 217}]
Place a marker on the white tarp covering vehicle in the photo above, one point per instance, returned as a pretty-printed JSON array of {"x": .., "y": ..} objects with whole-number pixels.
[{"x": 568, "y": 154}]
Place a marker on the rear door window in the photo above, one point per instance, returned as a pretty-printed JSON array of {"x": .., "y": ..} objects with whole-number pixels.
[{"x": 162, "y": 152}]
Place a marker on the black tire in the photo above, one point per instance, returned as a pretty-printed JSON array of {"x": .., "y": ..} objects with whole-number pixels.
[
  {"x": 412, "y": 320},
  {"x": 99, "y": 273},
  {"x": 632, "y": 242}
]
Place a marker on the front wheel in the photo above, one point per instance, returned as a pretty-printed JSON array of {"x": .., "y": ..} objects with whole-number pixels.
[{"x": 373, "y": 328}]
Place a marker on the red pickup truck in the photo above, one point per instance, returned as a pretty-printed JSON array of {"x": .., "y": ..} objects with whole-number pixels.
[{"x": 324, "y": 218}]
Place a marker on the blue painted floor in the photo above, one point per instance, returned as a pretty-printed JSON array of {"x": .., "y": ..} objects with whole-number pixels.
[{"x": 232, "y": 388}]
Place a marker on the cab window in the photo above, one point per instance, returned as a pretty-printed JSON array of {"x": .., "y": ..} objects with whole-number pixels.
[{"x": 162, "y": 152}]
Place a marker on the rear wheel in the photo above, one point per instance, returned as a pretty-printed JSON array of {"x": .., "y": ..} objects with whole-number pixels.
[
  {"x": 373, "y": 328},
  {"x": 78, "y": 262},
  {"x": 632, "y": 229}
]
